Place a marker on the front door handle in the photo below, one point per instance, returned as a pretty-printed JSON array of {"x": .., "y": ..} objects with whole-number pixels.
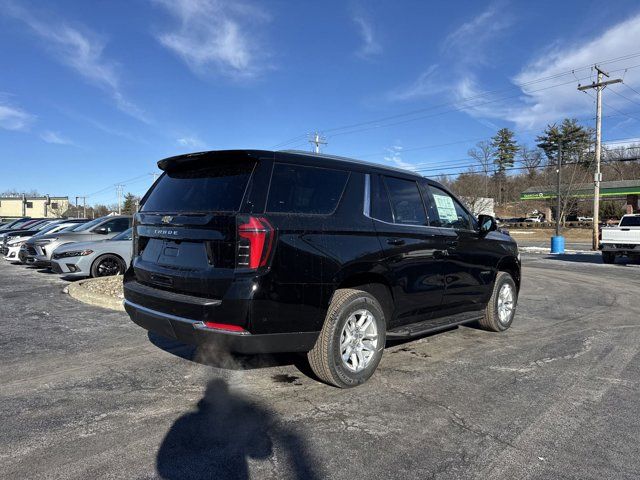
[{"x": 395, "y": 241}]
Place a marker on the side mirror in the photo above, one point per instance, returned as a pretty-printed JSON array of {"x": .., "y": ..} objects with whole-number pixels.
[
  {"x": 487, "y": 224},
  {"x": 101, "y": 231}
]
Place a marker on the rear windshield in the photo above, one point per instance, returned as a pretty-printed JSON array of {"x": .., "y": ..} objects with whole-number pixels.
[
  {"x": 630, "y": 222},
  {"x": 201, "y": 187}
]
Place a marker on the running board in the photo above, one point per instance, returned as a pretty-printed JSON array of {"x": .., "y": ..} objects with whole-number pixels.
[{"x": 431, "y": 326}]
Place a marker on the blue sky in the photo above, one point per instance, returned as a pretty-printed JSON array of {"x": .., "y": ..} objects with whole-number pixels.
[{"x": 94, "y": 93}]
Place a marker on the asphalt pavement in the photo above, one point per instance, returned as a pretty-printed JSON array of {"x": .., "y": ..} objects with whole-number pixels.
[{"x": 85, "y": 393}]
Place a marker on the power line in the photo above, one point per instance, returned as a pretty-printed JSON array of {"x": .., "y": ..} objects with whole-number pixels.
[
  {"x": 458, "y": 109},
  {"x": 625, "y": 97},
  {"x": 631, "y": 88},
  {"x": 464, "y": 100}
]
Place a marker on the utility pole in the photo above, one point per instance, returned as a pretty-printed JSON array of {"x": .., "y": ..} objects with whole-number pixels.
[
  {"x": 559, "y": 203},
  {"x": 317, "y": 140},
  {"x": 84, "y": 207},
  {"x": 599, "y": 86},
  {"x": 119, "y": 188}
]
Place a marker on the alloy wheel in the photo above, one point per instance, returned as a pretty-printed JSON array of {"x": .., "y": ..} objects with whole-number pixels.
[
  {"x": 505, "y": 303},
  {"x": 359, "y": 340}
]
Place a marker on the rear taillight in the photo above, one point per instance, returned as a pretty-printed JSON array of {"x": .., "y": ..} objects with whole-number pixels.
[
  {"x": 255, "y": 239},
  {"x": 224, "y": 326}
]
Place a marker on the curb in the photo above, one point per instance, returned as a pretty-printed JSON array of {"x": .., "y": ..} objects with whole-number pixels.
[{"x": 79, "y": 292}]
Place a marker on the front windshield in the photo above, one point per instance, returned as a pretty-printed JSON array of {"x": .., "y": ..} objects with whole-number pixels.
[
  {"x": 9, "y": 225},
  {"x": 87, "y": 226},
  {"x": 126, "y": 235},
  {"x": 47, "y": 229},
  {"x": 44, "y": 225},
  {"x": 15, "y": 224}
]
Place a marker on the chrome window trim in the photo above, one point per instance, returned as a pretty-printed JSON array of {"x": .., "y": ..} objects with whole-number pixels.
[
  {"x": 367, "y": 195},
  {"x": 367, "y": 211}
]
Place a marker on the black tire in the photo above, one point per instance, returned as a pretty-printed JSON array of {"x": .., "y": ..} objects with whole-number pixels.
[
  {"x": 107, "y": 265},
  {"x": 325, "y": 358},
  {"x": 608, "y": 257},
  {"x": 491, "y": 320}
]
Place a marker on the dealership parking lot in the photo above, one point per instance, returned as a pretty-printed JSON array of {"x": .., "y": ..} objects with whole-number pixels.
[{"x": 85, "y": 393}]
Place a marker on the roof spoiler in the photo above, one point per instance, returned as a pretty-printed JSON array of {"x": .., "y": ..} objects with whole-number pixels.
[{"x": 171, "y": 163}]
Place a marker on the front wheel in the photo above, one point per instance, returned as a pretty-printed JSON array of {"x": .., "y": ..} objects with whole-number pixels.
[
  {"x": 107, "y": 265},
  {"x": 350, "y": 345},
  {"x": 501, "y": 308}
]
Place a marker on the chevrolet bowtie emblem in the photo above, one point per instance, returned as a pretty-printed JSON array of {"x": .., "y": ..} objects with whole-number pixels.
[{"x": 167, "y": 219}]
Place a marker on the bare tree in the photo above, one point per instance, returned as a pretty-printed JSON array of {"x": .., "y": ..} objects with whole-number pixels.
[
  {"x": 469, "y": 187},
  {"x": 483, "y": 153},
  {"x": 531, "y": 160}
]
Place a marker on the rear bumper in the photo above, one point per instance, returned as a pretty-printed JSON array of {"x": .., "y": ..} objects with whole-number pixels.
[{"x": 196, "y": 333}]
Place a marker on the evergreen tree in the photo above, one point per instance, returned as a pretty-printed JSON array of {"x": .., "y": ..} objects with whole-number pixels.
[
  {"x": 505, "y": 151},
  {"x": 576, "y": 141},
  {"x": 130, "y": 204}
]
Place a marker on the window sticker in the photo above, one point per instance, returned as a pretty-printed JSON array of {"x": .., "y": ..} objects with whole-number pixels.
[{"x": 446, "y": 208}]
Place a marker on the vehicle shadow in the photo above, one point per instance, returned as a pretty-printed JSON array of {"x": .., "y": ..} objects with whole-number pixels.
[
  {"x": 69, "y": 278},
  {"x": 396, "y": 342},
  {"x": 217, "y": 440},
  {"x": 213, "y": 357},
  {"x": 593, "y": 258}
]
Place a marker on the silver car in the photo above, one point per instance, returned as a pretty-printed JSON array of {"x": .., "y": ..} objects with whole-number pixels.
[
  {"x": 94, "y": 259},
  {"x": 102, "y": 228}
]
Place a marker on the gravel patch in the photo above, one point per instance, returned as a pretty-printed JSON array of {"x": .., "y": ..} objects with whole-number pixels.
[{"x": 111, "y": 286}]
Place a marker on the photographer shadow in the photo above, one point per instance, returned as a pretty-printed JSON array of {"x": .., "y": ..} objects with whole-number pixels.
[{"x": 217, "y": 440}]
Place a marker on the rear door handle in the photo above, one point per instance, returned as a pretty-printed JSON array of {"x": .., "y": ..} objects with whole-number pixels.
[{"x": 395, "y": 241}]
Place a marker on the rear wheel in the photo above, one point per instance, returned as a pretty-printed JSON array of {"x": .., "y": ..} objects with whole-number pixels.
[
  {"x": 501, "y": 308},
  {"x": 352, "y": 339},
  {"x": 608, "y": 257},
  {"x": 107, "y": 265}
]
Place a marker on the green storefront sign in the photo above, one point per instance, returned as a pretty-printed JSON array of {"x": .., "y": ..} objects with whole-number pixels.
[{"x": 582, "y": 193}]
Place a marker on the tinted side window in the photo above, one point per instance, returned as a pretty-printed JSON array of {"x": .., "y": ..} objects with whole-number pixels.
[
  {"x": 630, "y": 222},
  {"x": 450, "y": 214},
  {"x": 406, "y": 202},
  {"x": 301, "y": 189},
  {"x": 380, "y": 206},
  {"x": 117, "y": 225}
]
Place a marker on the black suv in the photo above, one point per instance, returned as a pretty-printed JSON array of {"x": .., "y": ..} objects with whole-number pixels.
[{"x": 260, "y": 251}]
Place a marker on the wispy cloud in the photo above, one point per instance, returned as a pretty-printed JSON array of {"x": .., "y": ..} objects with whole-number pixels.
[
  {"x": 468, "y": 42},
  {"x": 81, "y": 50},
  {"x": 191, "y": 142},
  {"x": 464, "y": 49},
  {"x": 427, "y": 83},
  {"x": 370, "y": 45},
  {"x": 14, "y": 118},
  {"x": 394, "y": 157},
  {"x": 547, "y": 105},
  {"x": 213, "y": 36},
  {"x": 55, "y": 138}
]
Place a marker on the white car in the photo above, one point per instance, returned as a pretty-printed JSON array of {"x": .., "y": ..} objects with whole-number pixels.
[
  {"x": 532, "y": 220},
  {"x": 15, "y": 245}
]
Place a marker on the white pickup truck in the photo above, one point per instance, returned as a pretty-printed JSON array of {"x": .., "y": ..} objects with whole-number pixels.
[{"x": 621, "y": 240}]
